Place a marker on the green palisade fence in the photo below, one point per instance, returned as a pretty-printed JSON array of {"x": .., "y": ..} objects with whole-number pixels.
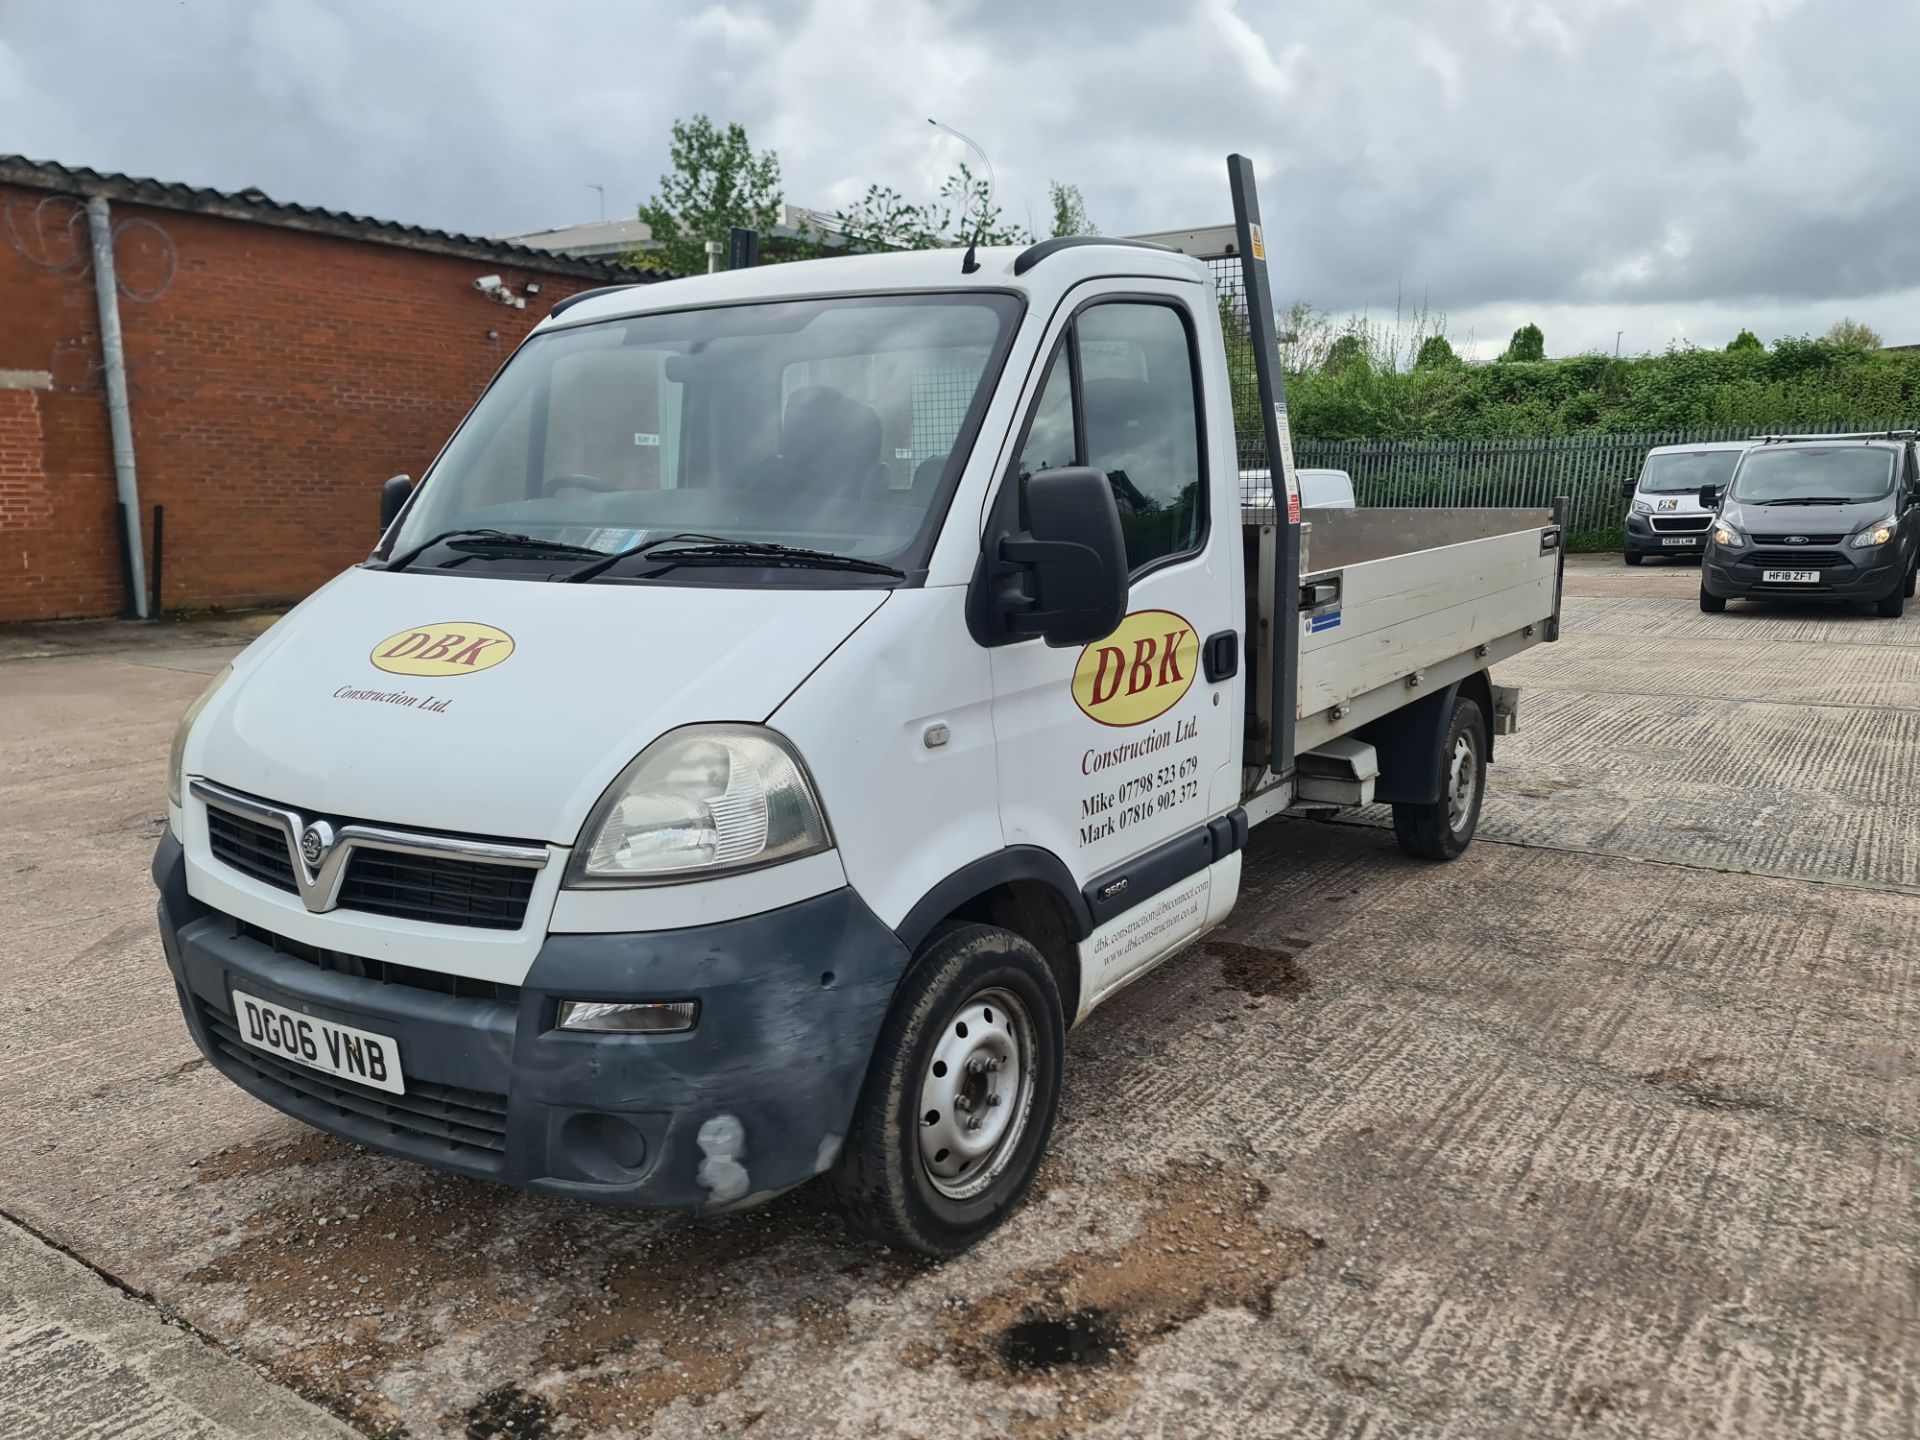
[{"x": 1589, "y": 468}]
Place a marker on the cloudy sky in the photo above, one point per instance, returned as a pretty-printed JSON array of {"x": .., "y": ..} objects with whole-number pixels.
[{"x": 1670, "y": 169}]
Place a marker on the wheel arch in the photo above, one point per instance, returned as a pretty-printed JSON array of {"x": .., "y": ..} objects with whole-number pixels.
[
  {"x": 1408, "y": 741},
  {"x": 1022, "y": 888}
]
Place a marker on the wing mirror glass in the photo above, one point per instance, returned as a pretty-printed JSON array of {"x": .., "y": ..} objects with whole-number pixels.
[
  {"x": 393, "y": 499},
  {"x": 1075, "y": 558}
]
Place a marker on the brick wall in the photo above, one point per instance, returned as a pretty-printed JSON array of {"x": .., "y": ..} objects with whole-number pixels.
[{"x": 275, "y": 377}]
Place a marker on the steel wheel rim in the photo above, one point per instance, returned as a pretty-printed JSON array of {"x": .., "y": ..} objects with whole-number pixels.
[
  {"x": 1463, "y": 780},
  {"x": 976, "y": 1093}
]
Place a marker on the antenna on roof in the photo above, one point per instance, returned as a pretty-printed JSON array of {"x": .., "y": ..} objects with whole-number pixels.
[{"x": 967, "y": 263}]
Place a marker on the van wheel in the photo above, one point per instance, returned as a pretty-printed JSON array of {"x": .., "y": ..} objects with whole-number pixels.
[
  {"x": 1442, "y": 829},
  {"x": 1912, "y": 574},
  {"x": 1634, "y": 557},
  {"x": 1894, "y": 605},
  {"x": 960, "y": 1095},
  {"x": 1712, "y": 604}
]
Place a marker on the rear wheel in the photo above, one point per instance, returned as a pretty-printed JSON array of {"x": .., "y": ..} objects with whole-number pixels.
[
  {"x": 1442, "y": 829},
  {"x": 960, "y": 1096},
  {"x": 1712, "y": 604},
  {"x": 1634, "y": 557}
]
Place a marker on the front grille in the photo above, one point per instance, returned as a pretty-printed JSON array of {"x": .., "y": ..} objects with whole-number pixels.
[
  {"x": 251, "y": 847},
  {"x": 438, "y": 889},
  {"x": 1781, "y": 539},
  {"x": 1794, "y": 559},
  {"x": 469, "y": 1123},
  {"x": 387, "y": 972},
  {"x": 1681, "y": 524}
]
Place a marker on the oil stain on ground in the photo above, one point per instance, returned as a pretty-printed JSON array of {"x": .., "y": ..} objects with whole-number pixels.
[
  {"x": 1263, "y": 970},
  {"x": 1074, "y": 1327}
]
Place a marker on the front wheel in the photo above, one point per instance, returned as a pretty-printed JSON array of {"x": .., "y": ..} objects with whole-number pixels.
[
  {"x": 960, "y": 1095},
  {"x": 1442, "y": 829},
  {"x": 1906, "y": 588},
  {"x": 1894, "y": 605},
  {"x": 1634, "y": 557},
  {"x": 1712, "y": 604}
]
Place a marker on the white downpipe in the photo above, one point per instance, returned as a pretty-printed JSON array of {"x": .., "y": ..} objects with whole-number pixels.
[{"x": 113, "y": 355}]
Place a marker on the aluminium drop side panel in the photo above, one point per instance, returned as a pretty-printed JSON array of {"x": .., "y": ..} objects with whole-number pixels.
[{"x": 1407, "y": 613}]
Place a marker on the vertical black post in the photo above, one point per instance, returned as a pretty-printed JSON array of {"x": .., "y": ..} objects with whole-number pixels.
[
  {"x": 743, "y": 248},
  {"x": 123, "y": 524},
  {"x": 1285, "y": 671},
  {"x": 159, "y": 556}
]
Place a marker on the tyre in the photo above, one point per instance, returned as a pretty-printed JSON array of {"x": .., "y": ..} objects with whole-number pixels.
[
  {"x": 1907, "y": 589},
  {"x": 1894, "y": 605},
  {"x": 960, "y": 1095},
  {"x": 1712, "y": 604},
  {"x": 1442, "y": 829},
  {"x": 1634, "y": 557}
]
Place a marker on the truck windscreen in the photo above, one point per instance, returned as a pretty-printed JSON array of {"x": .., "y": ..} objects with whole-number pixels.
[
  {"x": 836, "y": 425},
  {"x": 1837, "y": 474},
  {"x": 1681, "y": 472}
]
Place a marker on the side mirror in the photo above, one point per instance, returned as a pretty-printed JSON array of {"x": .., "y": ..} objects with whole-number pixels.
[
  {"x": 1628, "y": 486},
  {"x": 393, "y": 499},
  {"x": 1076, "y": 557},
  {"x": 1710, "y": 497}
]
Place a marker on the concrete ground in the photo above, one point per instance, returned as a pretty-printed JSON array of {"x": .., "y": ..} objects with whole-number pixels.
[{"x": 1607, "y": 1129}]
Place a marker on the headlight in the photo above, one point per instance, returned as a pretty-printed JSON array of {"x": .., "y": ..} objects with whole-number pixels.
[
  {"x": 176, "y": 760},
  {"x": 700, "y": 801},
  {"x": 1878, "y": 535},
  {"x": 1641, "y": 507},
  {"x": 1725, "y": 534}
]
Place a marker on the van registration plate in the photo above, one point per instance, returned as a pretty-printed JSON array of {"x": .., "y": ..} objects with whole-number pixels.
[
  {"x": 356, "y": 1055},
  {"x": 1790, "y": 577},
  {"x": 1680, "y": 540}
]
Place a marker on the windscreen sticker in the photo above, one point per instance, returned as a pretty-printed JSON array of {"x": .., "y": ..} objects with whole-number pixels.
[{"x": 442, "y": 648}]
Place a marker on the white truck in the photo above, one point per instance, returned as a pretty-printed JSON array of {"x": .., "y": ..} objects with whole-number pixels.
[{"x": 793, "y": 698}]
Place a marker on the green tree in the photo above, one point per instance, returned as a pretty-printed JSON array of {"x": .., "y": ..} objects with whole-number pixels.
[
  {"x": 1527, "y": 344},
  {"x": 1435, "y": 351},
  {"x": 1746, "y": 342},
  {"x": 1069, "y": 210},
  {"x": 1851, "y": 334},
  {"x": 1346, "y": 353},
  {"x": 717, "y": 182},
  {"x": 884, "y": 219}
]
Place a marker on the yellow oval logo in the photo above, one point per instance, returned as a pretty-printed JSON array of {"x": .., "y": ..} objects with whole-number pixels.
[
  {"x": 1140, "y": 671},
  {"x": 446, "y": 647}
]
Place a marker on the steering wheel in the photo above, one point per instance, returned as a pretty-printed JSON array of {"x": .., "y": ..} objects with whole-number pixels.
[{"x": 581, "y": 482}]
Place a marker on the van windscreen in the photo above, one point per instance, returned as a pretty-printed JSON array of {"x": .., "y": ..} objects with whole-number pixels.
[{"x": 1682, "y": 471}]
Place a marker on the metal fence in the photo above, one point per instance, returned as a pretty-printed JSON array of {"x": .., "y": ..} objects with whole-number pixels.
[{"x": 1589, "y": 468}]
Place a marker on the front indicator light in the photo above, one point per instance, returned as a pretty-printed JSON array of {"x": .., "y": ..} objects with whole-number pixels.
[
  {"x": 1867, "y": 539},
  {"x": 621, "y": 1017}
]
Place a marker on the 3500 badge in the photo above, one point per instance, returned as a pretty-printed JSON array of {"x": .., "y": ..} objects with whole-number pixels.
[
  {"x": 1140, "y": 671},
  {"x": 445, "y": 647}
]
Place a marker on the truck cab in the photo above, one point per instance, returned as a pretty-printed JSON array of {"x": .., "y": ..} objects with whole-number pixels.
[
  {"x": 1832, "y": 518},
  {"x": 792, "y": 699},
  {"x": 1664, "y": 513}
]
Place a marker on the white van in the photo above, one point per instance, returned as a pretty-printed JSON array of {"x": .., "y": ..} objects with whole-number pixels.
[
  {"x": 1664, "y": 513},
  {"x": 791, "y": 700}
]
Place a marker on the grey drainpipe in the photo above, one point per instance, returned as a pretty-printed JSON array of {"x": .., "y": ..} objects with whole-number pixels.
[{"x": 106, "y": 288}]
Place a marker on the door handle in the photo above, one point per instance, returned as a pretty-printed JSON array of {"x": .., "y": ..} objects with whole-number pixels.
[{"x": 1220, "y": 656}]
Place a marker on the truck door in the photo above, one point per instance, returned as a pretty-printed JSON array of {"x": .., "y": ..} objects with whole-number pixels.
[{"x": 1109, "y": 754}]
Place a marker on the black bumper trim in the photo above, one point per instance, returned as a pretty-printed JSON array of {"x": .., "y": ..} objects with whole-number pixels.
[{"x": 754, "y": 1100}]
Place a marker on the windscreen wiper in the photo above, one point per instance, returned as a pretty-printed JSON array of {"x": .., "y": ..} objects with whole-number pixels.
[
  {"x": 713, "y": 550},
  {"x": 480, "y": 541},
  {"x": 1810, "y": 500}
]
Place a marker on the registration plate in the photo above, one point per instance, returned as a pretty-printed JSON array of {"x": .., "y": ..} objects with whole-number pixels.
[
  {"x": 1680, "y": 540},
  {"x": 357, "y": 1055},
  {"x": 1791, "y": 577}
]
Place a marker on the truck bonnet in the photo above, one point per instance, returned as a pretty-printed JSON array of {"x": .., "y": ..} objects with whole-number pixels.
[{"x": 499, "y": 709}]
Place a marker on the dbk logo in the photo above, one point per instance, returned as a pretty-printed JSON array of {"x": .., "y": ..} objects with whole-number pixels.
[
  {"x": 1138, "y": 672},
  {"x": 446, "y": 647}
]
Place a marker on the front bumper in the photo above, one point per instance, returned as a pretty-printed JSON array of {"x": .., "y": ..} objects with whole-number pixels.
[
  {"x": 1639, "y": 537},
  {"x": 755, "y": 1099},
  {"x": 1859, "y": 575}
]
